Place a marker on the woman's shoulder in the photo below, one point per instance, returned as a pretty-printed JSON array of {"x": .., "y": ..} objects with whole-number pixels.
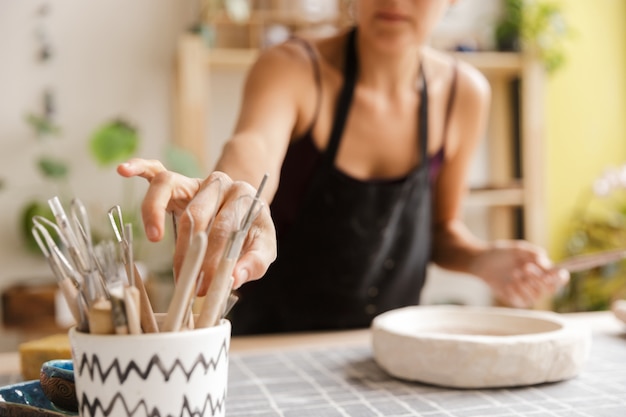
[
  {"x": 470, "y": 105},
  {"x": 297, "y": 54},
  {"x": 470, "y": 81}
]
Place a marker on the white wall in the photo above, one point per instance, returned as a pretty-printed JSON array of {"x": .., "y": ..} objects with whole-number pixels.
[{"x": 112, "y": 58}]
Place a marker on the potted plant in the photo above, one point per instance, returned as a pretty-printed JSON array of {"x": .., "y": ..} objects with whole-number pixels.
[
  {"x": 536, "y": 26},
  {"x": 598, "y": 223}
]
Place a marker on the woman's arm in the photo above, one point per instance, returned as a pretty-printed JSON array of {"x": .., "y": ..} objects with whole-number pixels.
[
  {"x": 517, "y": 271},
  {"x": 276, "y": 91},
  {"x": 274, "y": 104},
  {"x": 454, "y": 246}
]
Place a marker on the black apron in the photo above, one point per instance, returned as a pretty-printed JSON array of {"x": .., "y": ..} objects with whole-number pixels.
[{"x": 357, "y": 248}]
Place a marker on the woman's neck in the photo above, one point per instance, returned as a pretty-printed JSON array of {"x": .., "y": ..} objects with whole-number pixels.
[{"x": 388, "y": 70}]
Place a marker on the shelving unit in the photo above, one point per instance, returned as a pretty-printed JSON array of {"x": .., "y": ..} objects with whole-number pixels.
[
  {"x": 249, "y": 30},
  {"x": 515, "y": 133}
]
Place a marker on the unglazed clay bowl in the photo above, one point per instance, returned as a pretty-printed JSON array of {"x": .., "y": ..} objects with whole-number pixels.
[{"x": 478, "y": 347}]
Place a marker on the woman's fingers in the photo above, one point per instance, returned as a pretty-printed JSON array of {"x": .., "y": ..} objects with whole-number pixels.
[
  {"x": 144, "y": 168},
  {"x": 557, "y": 279},
  {"x": 533, "y": 281},
  {"x": 519, "y": 272},
  {"x": 252, "y": 265},
  {"x": 153, "y": 215},
  {"x": 206, "y": 212},
  {"x": 216, "y": 205},
  {"x": 168, "y": 192},
  {"x": 258, "y": 248}
]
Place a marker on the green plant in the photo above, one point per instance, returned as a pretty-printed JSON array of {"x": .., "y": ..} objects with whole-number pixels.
[
  {"x": 51, "y": 168},
  {"x": 116, "y": 141},
  {"x": 507, "y": 31},
  {"x": 598, "y": 223},
  {"x": 113, "y": 142},
  {"x": 536, "y": 26},
  {"x": 110, "y": 143}
]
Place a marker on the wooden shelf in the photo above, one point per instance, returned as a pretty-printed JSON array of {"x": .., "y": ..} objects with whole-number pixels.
[
  {"x": 231, "y": 57},
  {"x": 268, "y": 17},
  {"x": 512, "y": 196},
  {"x": 490, "y": 63},
  {"x": 493, "y": 63}
]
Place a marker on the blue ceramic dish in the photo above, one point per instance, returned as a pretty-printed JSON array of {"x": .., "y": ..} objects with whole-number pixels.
[{"x": 28, "y": 399}]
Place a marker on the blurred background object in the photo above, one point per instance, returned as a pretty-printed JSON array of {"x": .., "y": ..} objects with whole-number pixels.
[{"x": 598, "y": 223}]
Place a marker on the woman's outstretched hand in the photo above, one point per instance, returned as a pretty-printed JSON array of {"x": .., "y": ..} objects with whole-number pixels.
[
  {"x": 518, "y": 272},
  {"x": 216, "y": 201}
]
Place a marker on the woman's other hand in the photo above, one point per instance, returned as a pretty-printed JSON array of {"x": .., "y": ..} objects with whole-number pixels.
[
  {"x": 195, "y": 202},
  {"x": 518, "y": 272}
]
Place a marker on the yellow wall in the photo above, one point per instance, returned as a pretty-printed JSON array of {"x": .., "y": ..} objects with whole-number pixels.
[{"x": 586, "y": 109}]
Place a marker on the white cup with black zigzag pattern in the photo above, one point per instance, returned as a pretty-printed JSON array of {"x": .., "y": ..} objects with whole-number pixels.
[{"x": 158, "y": 374}]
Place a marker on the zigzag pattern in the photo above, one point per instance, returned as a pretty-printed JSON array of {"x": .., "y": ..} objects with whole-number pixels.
[
  {"x": 93, "y": 366},
  {"x": 88, "y": 408}
]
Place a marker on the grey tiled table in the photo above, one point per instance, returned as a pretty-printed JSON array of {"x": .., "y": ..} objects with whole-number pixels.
[
  {"x": 340, "y": 380},
  {"x": 334, "y": 375}
]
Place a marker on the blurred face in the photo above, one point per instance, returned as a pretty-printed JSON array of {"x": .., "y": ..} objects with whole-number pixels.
[{"x": 393, "y": 24}]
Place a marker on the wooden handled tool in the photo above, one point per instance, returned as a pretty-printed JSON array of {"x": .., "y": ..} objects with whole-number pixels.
[
  {"x": 146, "y": 313},
  {"x": 584, "y": 262},
  {"x": 221, "y": 285},
  {"x": 186, "y": 283}
]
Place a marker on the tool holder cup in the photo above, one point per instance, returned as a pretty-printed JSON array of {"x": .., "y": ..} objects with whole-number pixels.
[{"x": 181, "y": 373}]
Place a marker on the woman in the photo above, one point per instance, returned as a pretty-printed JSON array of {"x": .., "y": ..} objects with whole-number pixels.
[{"x": 367, "y": 137}]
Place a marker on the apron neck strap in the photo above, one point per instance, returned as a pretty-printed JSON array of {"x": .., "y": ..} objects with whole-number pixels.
[
  {"x": 345, "y": 100},
  {"x": 350, "y": 74}
]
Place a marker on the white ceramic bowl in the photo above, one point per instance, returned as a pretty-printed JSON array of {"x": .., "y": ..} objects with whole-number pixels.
[{"x": 478, "y": 347}]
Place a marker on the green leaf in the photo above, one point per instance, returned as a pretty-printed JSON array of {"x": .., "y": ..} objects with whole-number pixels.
[
  {"x": 182, "y": 161},
  {"x": 42, "y": 126},
  {"x": 52, "y": 168},
  {"x": 113, "y": 142},
  {"x": 31, "y": 209}
]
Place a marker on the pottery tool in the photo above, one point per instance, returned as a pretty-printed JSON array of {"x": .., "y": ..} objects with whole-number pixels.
[
  {"x": 83, "y": 309},
  {"x": 221, "y": 285},
  {"x": 186, "y": 282},
  {"x": 82, "y": 231},
  {"x": 190, "y": 321},
  {"x": 66, "y": 272},
  {"x": 230, "y": 303},
  {"x": 69, "y": 235},
  {"x": 132, "y": 296},
  {"x": 593, "y": 260},
  {"x": 67, "y": 285},
  {"x": 118, "y": 311},
  {"x": 76, "y": 236},
  {"x": 101, "y": 317},
  {"x": 132, "y": 309},
  {"x": 146, "y": 313}
]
